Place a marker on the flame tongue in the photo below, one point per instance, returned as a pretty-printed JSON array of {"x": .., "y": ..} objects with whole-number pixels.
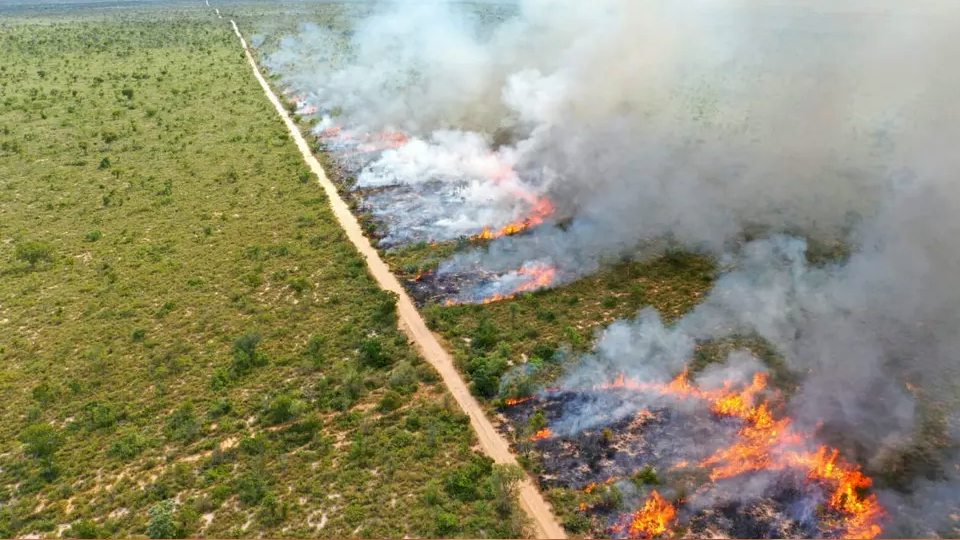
[
  {"x": 542, "y": 434},
  {"x": 653, "y": 519},
  {"x": 536, "y": 276}
]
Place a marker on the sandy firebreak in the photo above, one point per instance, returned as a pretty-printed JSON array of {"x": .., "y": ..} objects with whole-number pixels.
[{"x": 412, "y": 324}]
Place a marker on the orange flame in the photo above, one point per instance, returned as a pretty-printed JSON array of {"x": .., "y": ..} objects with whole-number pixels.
[
  {"x": 423, "y": 273},
  {"x": 653, "y": 519},
  {"x": 544, "y": 433},
  {"x": 590, "y": 487},
  {"x": 516, "y": 401},
  {"x": 768, "y": 443},
  {"x": 542, "y": 276},
  {"x": 385, "y": 141},
  {"x": 542, "y": 209}
]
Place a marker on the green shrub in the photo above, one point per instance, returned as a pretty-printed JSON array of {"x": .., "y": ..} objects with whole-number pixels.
[
  {"x": 390, "y": 401},
  {"x": 371, "y": 353},
  {"x": 251, "y": 489},
  {"x": 446, "y": 524},
  {"x": 93, "y": 236},
  {"x": 182, "y": 425},
  {"x": 33, "y": 252},
  {"x": 486, "y": 336},
  {"x": 84, "y": 529},
  {"x": 100, "y": 415},
  {"x": 253, "y": 446},
  {"x": 127, "y": 447},
  {"x": 42, "y": 440},
  {"x": 162, "y": 523},
  {"x": 464, "y": 482},
  {"x": 283, "y": 408},
  {"x": 246, "y": 357},
  {"x": 314, "y": 350}
]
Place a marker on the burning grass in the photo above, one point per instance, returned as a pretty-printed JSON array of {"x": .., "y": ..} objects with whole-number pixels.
[{"x": 742, "y": 442}]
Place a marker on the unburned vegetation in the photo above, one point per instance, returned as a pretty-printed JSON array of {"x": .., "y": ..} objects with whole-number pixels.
[{"x": 190, "y": 346}]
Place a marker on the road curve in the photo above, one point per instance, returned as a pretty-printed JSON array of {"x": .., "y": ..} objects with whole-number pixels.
[{"x": 412, "y": 324}]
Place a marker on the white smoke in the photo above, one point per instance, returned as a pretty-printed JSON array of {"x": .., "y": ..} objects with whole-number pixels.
[{"x": 655, "y": 122}]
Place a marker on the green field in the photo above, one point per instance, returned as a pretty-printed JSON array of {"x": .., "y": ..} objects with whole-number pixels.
[{"x": 189, "y": 346}]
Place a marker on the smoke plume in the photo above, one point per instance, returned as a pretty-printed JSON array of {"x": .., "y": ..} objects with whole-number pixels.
[{"x": 690, "y": 122}]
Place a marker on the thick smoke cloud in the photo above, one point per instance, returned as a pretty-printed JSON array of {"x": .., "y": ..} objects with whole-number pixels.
[{"x": 689, "y": 122}]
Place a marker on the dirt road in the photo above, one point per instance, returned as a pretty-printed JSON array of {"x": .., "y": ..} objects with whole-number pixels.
[{"x": 412, "y": 324}]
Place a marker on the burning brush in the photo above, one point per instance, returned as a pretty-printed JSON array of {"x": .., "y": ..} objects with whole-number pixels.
[
  {"x": 763, "y": 444},
  {"x": 533, "y": 277}
]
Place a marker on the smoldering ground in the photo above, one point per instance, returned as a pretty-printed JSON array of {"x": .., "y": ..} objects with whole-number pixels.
[{"x": 688, "y": 123}]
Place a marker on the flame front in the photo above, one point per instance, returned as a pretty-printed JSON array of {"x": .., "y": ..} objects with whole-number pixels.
[
  {"x": 541, "y": 207},
  {"x": 544, "y": 433},
  {"x": 768, "y": 443},
  {"x": 516, "y": 401},
  {"x": 540, "y": 276},
  {"x": 653, "y": 519}
]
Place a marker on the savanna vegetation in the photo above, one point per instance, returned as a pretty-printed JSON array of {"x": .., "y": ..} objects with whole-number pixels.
[{"x": 189, "y": 346}]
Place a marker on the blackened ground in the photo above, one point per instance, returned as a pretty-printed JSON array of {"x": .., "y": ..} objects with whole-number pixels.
[{"x": 615, "y": 458}]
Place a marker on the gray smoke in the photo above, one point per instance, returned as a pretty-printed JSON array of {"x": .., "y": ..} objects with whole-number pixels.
[{"x": 652, "y": 123}]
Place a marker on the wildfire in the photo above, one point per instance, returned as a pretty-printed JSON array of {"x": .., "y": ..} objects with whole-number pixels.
[
  {"x": 653, "y": 519},
  {"x": 767, "y": 443},
  {"x": 542, "y": 209},
  {"x": 516, "y": 401},
  {"x": 540, "y": 276},
  {"x": 369, "y": 143},
  {"x": 381, "y": 142},
  {"x": 422, "y": 274},
  {"x": 544, "y": 433}
]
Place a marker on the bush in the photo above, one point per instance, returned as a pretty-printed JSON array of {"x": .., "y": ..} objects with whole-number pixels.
[
  {"x": 446, "y": 524},
  {"x": 93, "y": 236},
  {"x": 371, "y": 353},
  {"x": 84, "y": 529},
  {"x": 576, "y": 523},
  {"x": 162, "y": 524},
  {"x": 505, "y": 483},
  {"x": 246, "y": 357},
  {"x": 485, "y": 373},
  {"x": 253, "y": 446},
  {"x": 283, "y": 408},
  {"x": 42, "y": 440},
  {"x": 486, "y": 336},
  {"x": 45, "y": 393},
  {"x": 403, "y": 378},
  {"x": 182, "y": 424},
  {"x": 33, "y": 252},
  {"x": 391, "y": 401},
  {"x": 100, "y": 415},
  {"x": 464, "y": 482},
  {"x": 314, "y": 350},
  {"x": 251, "y": 489},
  {"x": 127, "y": 447}
]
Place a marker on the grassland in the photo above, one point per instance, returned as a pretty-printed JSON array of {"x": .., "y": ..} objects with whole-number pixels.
[{"x": 188, "y": 344}]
